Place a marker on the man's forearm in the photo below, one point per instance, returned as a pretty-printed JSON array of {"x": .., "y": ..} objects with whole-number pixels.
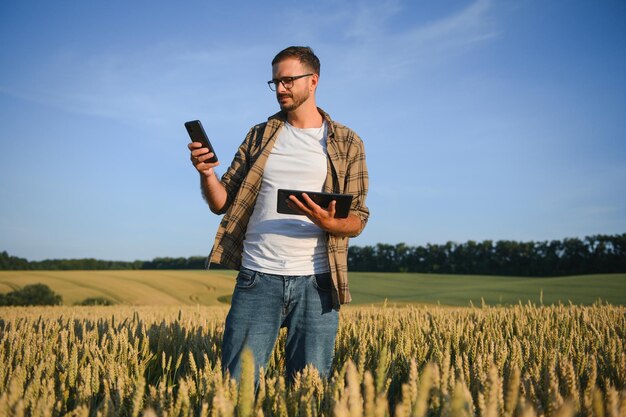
[
  {"x": 213, "y": 192},
  {"x": 348, "y": 227}
]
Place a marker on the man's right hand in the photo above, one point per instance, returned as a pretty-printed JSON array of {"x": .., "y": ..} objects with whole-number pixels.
[
  {"x": 198, "y": 157},
  {"x": 213, "y": 191}
]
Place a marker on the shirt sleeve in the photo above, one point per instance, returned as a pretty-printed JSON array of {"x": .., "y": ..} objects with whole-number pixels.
[
  {"x": 235, "y": 174},
  {"x": 357, "y": 181}
]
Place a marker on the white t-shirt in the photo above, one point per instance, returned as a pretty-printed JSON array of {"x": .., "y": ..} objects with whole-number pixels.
[{"x": 281, "y": 243}]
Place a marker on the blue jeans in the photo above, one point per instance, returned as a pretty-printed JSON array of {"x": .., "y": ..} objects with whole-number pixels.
[{"x": 263, "y": 303}]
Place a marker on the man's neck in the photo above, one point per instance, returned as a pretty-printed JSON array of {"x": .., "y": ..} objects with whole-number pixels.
[{"x": 305, "y": 117}]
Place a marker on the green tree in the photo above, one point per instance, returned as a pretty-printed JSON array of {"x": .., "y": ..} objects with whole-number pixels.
[
  {"x": 31, "y": 295},
  {"x": 12, "y": 262},
  {"x": 96, "y": 301}
]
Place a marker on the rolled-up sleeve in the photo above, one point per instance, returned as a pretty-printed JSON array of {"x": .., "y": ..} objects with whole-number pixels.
[
  {"x": 357, "y": 181},
  {"x": 237, "y": 171}
]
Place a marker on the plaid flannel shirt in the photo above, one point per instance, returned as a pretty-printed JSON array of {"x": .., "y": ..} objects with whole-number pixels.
[{"x": 346, "y": 173}]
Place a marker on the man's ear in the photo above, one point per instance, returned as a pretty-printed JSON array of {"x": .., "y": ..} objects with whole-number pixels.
[{"x": 314, "y": 80}]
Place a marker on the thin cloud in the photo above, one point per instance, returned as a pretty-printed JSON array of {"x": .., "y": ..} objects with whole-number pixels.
[
  {"x": 370, "y": 22},
  {"x": 128, "y": 86},
  {"x": 387, "y": 53},
  {"x": 153, "y": 84}
]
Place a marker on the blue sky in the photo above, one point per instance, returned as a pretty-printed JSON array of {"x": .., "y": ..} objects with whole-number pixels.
[{"x": 481, "y": 119}]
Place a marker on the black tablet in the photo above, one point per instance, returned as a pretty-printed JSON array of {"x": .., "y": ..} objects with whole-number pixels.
[{"x": 342, "y": 207}]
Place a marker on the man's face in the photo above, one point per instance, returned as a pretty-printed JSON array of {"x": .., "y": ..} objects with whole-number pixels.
[{"x": 291, "y": 99}]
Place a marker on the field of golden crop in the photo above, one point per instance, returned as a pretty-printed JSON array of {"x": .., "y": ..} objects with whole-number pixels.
[
  {"x": 215, "y": 287},
  {"x": 519, "y": 361}
]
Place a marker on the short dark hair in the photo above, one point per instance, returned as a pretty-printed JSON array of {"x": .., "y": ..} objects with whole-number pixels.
[{"x": 304, "y": 54}]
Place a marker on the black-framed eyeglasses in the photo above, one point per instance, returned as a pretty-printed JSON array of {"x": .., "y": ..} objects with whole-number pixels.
[{"x": 287, "y": 82}]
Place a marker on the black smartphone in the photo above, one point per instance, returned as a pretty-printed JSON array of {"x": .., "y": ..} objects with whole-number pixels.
[{"x": 197, "y": 134}]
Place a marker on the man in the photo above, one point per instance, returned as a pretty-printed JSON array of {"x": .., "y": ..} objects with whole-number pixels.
[{"x": 292, "y": 268}]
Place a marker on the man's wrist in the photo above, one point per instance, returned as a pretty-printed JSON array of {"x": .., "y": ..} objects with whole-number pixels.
[
  {"x": 343, "y": 227},
  {"x": 332, "y": 225},
  {"x": 207, "y": 177}
]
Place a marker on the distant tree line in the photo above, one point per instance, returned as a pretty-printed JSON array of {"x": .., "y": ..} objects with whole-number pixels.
[
  {"x": 8, "y": 262},
  {"x": 571, "y": 256}
]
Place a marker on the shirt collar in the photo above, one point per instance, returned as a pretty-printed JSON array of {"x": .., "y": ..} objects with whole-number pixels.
[{"x": 281, "y": 117}]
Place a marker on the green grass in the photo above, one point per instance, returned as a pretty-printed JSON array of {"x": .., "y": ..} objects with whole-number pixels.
[
  {"x": 215, "y": 287},
  {"x": 460, "y": 290}
]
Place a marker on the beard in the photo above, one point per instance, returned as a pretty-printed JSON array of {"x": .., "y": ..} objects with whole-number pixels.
[{"x": 295, "y": 102}]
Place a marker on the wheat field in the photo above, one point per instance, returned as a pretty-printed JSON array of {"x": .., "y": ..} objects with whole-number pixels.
[
  {"x": 215, "y": 287},
  {"x": 518, "y": 361}
]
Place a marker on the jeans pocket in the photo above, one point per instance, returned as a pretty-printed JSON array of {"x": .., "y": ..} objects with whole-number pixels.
[
  {"x": 323, "y": 282},
  {"x": 246, "y": 279}
]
